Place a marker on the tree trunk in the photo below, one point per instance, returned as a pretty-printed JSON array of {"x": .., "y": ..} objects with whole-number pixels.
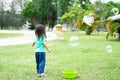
[{"x": 35, "y": 21}]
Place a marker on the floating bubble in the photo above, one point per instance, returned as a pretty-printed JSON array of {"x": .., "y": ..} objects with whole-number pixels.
[
  {"x": 74, "y": 41},
  {"x": 109, "y": 48}
]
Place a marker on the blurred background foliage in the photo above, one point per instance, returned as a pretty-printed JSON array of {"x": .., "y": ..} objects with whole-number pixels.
[{"x": 14, "y": 15}]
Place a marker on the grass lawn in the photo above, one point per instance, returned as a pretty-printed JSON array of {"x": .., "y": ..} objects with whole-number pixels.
[
  {"x": 89, "y": 58},
  {"x": 6, "y": 35}
]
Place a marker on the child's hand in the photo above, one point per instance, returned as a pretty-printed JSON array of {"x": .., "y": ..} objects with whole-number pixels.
[
  {"x": 49, "y": 50},
  {"x": 33, "y": 44}
]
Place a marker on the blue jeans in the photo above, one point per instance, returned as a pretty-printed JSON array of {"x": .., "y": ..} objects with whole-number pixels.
[{"x": 40, "y": 62}]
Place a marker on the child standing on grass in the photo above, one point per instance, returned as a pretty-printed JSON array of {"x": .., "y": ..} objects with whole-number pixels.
[{"x": 40, "y": 44}]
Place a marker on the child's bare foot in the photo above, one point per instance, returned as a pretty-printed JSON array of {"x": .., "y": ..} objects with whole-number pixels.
[{"x": 42, "y": 75}]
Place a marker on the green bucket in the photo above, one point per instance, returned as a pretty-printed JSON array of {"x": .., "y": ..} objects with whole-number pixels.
[{"x": 69, "y": 74}]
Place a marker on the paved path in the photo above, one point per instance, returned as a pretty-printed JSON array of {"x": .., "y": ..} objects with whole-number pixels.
[{"x": 28, "y": 37}]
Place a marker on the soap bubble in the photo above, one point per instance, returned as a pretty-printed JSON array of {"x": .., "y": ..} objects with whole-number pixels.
[
  {"x": 109, "y": 48},
  {"x": 74, "y": 41}
]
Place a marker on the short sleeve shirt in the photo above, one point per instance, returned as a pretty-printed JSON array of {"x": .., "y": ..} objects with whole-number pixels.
[{"x": 39, "y": 44}]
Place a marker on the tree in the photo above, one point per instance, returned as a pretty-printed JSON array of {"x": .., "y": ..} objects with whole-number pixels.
[
  {"x": 1, "y": 14},
  {"x": 74, "y": 14},
  {"x": 31, "y": 11},
  {"x": 44, "y": 11},
  {"x": 38, "y": 11},
  {"x": 10, "y": 15}
]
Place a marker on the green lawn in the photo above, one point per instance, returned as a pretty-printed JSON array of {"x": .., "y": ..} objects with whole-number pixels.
[
  {"x": 90, "y": 59},
  {"x": 6, "y": 35}
]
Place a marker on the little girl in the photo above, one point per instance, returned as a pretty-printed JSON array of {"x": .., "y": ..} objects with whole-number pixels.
[{"x": 40, "y": 44}]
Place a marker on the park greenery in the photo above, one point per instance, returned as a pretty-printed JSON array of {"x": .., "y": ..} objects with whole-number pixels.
[
  {"x": 89, "y": 59},
  {"x": 10, "y": 16},
  {"x": 45, "y": 12}
]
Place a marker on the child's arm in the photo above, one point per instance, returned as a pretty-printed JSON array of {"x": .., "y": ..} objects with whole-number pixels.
[{"x": 45, "y": 44}]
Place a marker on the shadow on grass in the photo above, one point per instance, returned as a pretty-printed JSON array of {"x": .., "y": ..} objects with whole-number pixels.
[{"x": 77, "y": 78}]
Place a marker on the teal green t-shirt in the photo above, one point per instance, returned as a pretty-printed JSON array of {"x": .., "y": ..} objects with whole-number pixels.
[{"x": 39, "y": 44}]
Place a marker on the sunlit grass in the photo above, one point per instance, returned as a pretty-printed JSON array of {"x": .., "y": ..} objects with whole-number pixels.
[
  {"x": 7, "y": 35},
  {"x": 89, "y": 58}
]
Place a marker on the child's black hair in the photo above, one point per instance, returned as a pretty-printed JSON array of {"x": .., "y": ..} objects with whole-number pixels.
[{"x": 40, "y": 30}]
